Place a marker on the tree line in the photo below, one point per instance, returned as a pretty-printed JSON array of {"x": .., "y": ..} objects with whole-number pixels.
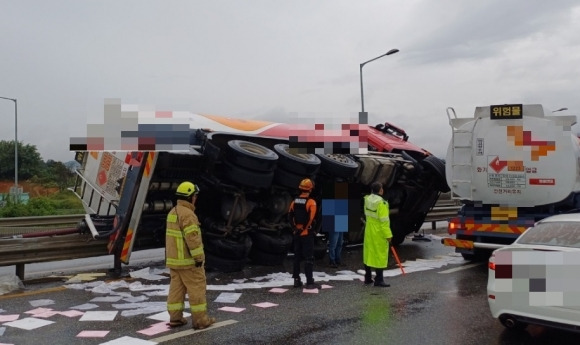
[{"x": 32, "y": 168}]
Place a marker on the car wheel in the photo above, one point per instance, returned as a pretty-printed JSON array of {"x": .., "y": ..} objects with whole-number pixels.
[
  {"x": 338, "y": 165},
  {"x": 437, "y": 166},
  {"x": 251, "y": 156},
  {"x": 297, "y": 163}
]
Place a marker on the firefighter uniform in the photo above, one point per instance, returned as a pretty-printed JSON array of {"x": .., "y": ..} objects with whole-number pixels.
[
  {"x": 301, "y": 215},
  {"x": 185, "y": 259}
]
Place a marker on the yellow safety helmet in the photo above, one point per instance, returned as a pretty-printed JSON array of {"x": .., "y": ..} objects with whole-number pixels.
[
  {"x": 187, "y": 189},
  {"x": 306, "y": 185}
]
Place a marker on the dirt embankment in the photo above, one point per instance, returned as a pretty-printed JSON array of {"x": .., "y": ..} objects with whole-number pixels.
[{"x": 34, "y": 190}]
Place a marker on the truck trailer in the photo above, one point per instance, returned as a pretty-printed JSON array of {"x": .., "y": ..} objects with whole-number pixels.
[
  {"x": 248, "y": 172},
  {"x": 510, "y": 166}
]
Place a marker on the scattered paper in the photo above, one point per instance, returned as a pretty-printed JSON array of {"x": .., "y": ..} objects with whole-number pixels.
[
  {"x": 228, "y": 297},
  {"x": 99, "y": 315},
  {"x": 2, "y": 330},
  {"x": 146, "y": 274},
  {"x": 128, "y": 341},
  {"x": 232, "y": 309},
  {"x": 92, "y": 334},
  {"x": 305, "y": 290},
  {"x": 324, "y": 286},
  {"x": 278, "y": 290},
  {"x": 71, "y": 313},
  {"x": 28, "y": 323},
  {"x": 6, "y": 318},
  {"x": 38, "y": 311},
  {"x": 135, "y": 299},
  {"x": 155, "y": 328},
  {"x": 164, "y": 316},
  {"x": 265, "y": 305},
  {"x": 41, "y": 302},
  {"x": 85, "y": 306}
]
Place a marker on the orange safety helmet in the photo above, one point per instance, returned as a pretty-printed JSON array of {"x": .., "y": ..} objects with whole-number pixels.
[{"x": 306, "y": 185}]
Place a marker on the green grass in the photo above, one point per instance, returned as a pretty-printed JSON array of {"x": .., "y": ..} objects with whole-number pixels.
[{"x": 61, "y": 203}]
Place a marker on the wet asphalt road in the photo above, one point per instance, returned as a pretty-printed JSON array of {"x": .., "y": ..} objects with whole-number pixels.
[{"x": 426, "y": 307}]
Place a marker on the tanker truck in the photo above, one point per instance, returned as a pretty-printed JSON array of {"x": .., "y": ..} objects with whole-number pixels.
[
  {"x": 248, "y": 172},
  {"x": 510, "y": 166}
]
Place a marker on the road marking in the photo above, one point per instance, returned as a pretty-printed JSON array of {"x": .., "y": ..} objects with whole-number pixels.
[
  {"x": 192, "y": 331},
  {"x": 461, "y": 268},
  {"x": 35, "y": 292}
]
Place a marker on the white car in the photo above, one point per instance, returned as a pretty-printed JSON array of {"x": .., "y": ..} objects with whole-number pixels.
[{"x": 536, "y": 280}]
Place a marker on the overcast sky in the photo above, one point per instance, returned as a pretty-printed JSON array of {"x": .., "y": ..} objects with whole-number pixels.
[{"x": 269, "y": 60}]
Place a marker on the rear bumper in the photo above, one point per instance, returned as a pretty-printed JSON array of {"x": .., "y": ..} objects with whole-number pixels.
[{"x": 469, "y": 245}]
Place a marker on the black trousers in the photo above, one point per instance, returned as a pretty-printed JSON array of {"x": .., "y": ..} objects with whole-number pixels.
[
  {"x": 369, "y": 275},
  {"x": 304, "y": 250}
]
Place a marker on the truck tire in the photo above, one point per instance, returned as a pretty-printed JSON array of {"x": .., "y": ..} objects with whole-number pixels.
[
  {"x": 289, "y": 179},
  {"x": 216, "y": 263},
  {"x": 249, "y": 178},
  {"x": 251, "y": 156},
  {"x": 227, "y": 248},
  {"x": 437, "y": 166},
  {"x": 272, "y": 244},
  {"x": 338, "y": 165},
  {"x": 298, "y": 163},
  {"x": 267, "y": 259}
]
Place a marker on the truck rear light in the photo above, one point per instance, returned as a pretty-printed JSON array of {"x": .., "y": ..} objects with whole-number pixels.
[{"x": 454, "y": 225}]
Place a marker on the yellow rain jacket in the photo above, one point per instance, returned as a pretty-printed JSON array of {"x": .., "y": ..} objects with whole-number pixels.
[
  {"x": 377, "y": 231},
  {"x": 183, "y": 245}
]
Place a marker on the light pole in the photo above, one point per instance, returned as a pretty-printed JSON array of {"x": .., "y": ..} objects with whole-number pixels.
[
  {"x": 362, "y": 99},
  {"x": 15, "y": 146}
]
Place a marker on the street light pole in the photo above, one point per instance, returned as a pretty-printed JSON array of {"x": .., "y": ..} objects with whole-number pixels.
[
  {"x": 362, "y": 100},
  {"x": 15, "y": 145}
]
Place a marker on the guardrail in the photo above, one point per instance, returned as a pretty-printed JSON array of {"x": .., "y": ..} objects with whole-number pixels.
[{"x": 15, "y": 250}]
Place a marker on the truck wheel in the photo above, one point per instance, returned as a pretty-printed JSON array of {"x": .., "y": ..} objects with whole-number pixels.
[
  {"x": 272, "y": 244},
  {"x": 288, "y": 179},
  {"x": 251, "y": 156},
  {"x": 437, "y": 166},
  {"x": 216, "y": 263},
  {"x": 246, "y": 177},
  {"x": 338, "y": 165},
  {"x": 298, "y": 163},
  {"x": 267, "y": 259},
  {"x": 227, "y": 248}
]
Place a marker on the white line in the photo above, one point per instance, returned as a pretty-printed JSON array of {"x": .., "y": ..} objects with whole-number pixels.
[
  {"x": 461, "y": 268},
  {"x": 192, "y": 331}
]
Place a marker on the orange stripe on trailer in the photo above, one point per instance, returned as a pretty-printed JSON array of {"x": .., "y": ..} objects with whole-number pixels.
[
  {"x": 451, "y": 242},
  {"x": 148, "y": 163},
  {"x": 126, "y": 245}
]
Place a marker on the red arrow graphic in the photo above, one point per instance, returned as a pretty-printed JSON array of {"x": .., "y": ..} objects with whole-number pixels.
[{"x": 498, "y": 165}]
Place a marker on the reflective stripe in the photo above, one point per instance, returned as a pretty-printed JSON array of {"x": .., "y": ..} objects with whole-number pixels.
[
  {"x": 197, "y": 251},
  {"x": 172, "y": 218},
  {"x": 174, "y": 233},
  {"x": 175, "y": 306},
  {"x": 180, "y": 262},
  {"x": 384, "y": 219},
  {"x": 179, "y": 246},
  {"x": 191, "y": 228},
  {"x": 198, "y": 307},
  {"x": 372, "y": 214}
]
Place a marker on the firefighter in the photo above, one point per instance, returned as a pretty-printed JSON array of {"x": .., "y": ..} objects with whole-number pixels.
[
  {"x": 301, "y": 216},
  {"x": 377, "y": 235},
  {"x": 185, "y": 259}
]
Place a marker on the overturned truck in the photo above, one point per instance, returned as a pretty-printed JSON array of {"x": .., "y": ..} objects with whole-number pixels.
[{"x": 248, "y": 173}]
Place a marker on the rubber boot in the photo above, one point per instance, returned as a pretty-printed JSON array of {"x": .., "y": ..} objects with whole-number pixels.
[
  {"x": 379, "y": 280},
  {"x": 201, "y": 320}
]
